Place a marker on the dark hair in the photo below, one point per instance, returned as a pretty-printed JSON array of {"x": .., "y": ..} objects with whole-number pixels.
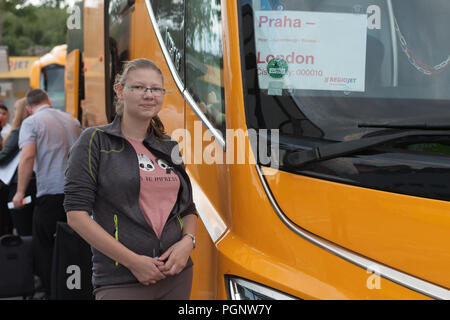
[
  {"x": 2, "y": 106},
  {"x": 141, "y": 63},
  {"x": 36, "y": 96}
]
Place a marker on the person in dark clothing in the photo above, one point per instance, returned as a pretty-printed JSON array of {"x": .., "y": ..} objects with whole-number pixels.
[
  {"x": 5, "y": 127},
  {"x": 21, "y": 218}
]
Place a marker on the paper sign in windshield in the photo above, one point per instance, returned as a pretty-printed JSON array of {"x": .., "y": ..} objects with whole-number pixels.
[{"x": 311, "y": 50}]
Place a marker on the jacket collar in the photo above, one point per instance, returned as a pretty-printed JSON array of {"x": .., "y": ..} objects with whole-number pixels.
[{"x": 114, "y": 129}]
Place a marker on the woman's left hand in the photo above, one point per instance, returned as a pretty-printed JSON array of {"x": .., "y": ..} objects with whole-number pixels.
[{"x": 176, "y": 256}]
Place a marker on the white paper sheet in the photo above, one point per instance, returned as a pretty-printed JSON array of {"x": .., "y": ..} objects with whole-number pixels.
[{"x": 7, "y": 171}]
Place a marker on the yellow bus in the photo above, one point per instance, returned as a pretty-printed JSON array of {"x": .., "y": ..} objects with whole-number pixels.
[
  {"x": 315, "y": 132},
  {"x": 48, "y": 73}
]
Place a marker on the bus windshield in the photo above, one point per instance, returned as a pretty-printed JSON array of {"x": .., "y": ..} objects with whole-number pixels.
[
  {"x": 322, "y": 72},
  {"x": 54, "y": 85},
  {"x": 321, "y": 68}
]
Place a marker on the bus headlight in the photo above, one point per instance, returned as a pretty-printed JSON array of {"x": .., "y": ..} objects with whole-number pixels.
[{"x": 240, "y": 289}]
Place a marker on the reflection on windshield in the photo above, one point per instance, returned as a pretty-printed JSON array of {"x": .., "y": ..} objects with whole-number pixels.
[{"x": 317, "y": 68}]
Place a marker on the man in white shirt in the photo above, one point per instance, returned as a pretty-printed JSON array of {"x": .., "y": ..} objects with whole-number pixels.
[{"x": 45, "y": 139}]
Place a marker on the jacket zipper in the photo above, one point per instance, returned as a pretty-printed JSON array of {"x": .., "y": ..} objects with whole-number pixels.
[
  {"x": 116, "y": 232},
  {"x": 181, "y": 222},
  {"x": 188, "y": 182}
]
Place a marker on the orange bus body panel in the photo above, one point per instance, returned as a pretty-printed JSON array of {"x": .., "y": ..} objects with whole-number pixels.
[
  {"x": 94, "y": 104},
  {"x": 35, "y": 76},
  {"x": 404, "y": 232},
  {"x": 71, "y": 80}
]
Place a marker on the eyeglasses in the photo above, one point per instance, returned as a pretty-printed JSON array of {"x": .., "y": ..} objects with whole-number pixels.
[{"x": 155, "y": 91}]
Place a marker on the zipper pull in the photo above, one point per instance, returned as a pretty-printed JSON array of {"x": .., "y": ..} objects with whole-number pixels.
[
  {"x": 180, "y": 221},
  {"x": 116, "y": 232}
]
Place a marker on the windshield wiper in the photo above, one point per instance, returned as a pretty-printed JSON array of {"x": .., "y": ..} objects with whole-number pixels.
[
  {"x": 419, "y": 126},
  {"x": 298, "y": 159}
]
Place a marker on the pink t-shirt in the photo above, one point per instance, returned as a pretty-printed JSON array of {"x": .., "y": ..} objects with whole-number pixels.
[{"x": 159, "y": 187}]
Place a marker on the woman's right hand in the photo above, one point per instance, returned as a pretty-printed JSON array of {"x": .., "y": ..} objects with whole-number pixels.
[{"x": 146, "y": 270}]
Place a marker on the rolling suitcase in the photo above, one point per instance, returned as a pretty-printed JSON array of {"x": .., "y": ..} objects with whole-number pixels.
[
  {"x": 72, "y": 266},
  {"x": 16, "y": 266}
]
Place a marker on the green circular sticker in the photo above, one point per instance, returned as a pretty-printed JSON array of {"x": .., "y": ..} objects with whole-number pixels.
[{"x": 277, "y": 68}]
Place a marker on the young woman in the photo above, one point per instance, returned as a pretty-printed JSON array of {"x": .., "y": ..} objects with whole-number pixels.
[{"x": 144, "y": 219}]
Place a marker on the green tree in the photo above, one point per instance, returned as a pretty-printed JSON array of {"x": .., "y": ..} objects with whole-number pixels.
[{"x": 9, "y": 6}]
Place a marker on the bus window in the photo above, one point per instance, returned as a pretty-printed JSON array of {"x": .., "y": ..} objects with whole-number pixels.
[
  {"x": 42, "y": 80},
  {"x": 204, "y": 59},
  {"x": 331, "y": 71},
  {"x": 54, "y": 84},
  {"x": 170, "y": 17}
]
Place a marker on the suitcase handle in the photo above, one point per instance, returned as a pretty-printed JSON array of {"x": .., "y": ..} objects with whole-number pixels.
[{"x": 11, "y": 240}]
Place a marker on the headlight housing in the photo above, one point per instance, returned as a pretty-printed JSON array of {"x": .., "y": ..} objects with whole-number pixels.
[{"x": 241, "y": 289}]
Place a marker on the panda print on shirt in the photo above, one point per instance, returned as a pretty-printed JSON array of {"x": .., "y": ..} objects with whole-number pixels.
[
  {"x": 164, "y": 166},
  {"x": 145, "y": 163},
  {"x": 158, "y": 188}
]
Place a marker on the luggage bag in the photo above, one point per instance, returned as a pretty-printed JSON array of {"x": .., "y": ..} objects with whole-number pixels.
[
  {"x": 72, "y": 266},
  {"x": 16, "y": 266}
]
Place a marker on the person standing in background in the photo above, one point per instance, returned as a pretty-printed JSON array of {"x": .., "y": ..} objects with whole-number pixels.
[
  {"x": 6, "y": 225},
  {"x": 21, "y": 218},
  {"x": 45, "y": 139},
  {"x": 5, "y": 126}
]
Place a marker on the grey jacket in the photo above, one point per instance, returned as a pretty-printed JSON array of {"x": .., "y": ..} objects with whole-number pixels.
[
  {"x": 103, "y": 179},
  {"x": 11, "y": 148}
]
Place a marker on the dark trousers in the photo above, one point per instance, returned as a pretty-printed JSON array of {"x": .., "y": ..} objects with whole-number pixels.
[
  {"x": 5, "y": 217},
  {"x": 22, "y": 219},
  {"x": 48, "y": 211}
]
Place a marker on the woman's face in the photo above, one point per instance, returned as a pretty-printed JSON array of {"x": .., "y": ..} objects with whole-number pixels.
[{"x": 141, "y": 103}]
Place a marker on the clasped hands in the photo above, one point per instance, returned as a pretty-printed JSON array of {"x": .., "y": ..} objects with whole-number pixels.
[{"x": 150, "y": 270}]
